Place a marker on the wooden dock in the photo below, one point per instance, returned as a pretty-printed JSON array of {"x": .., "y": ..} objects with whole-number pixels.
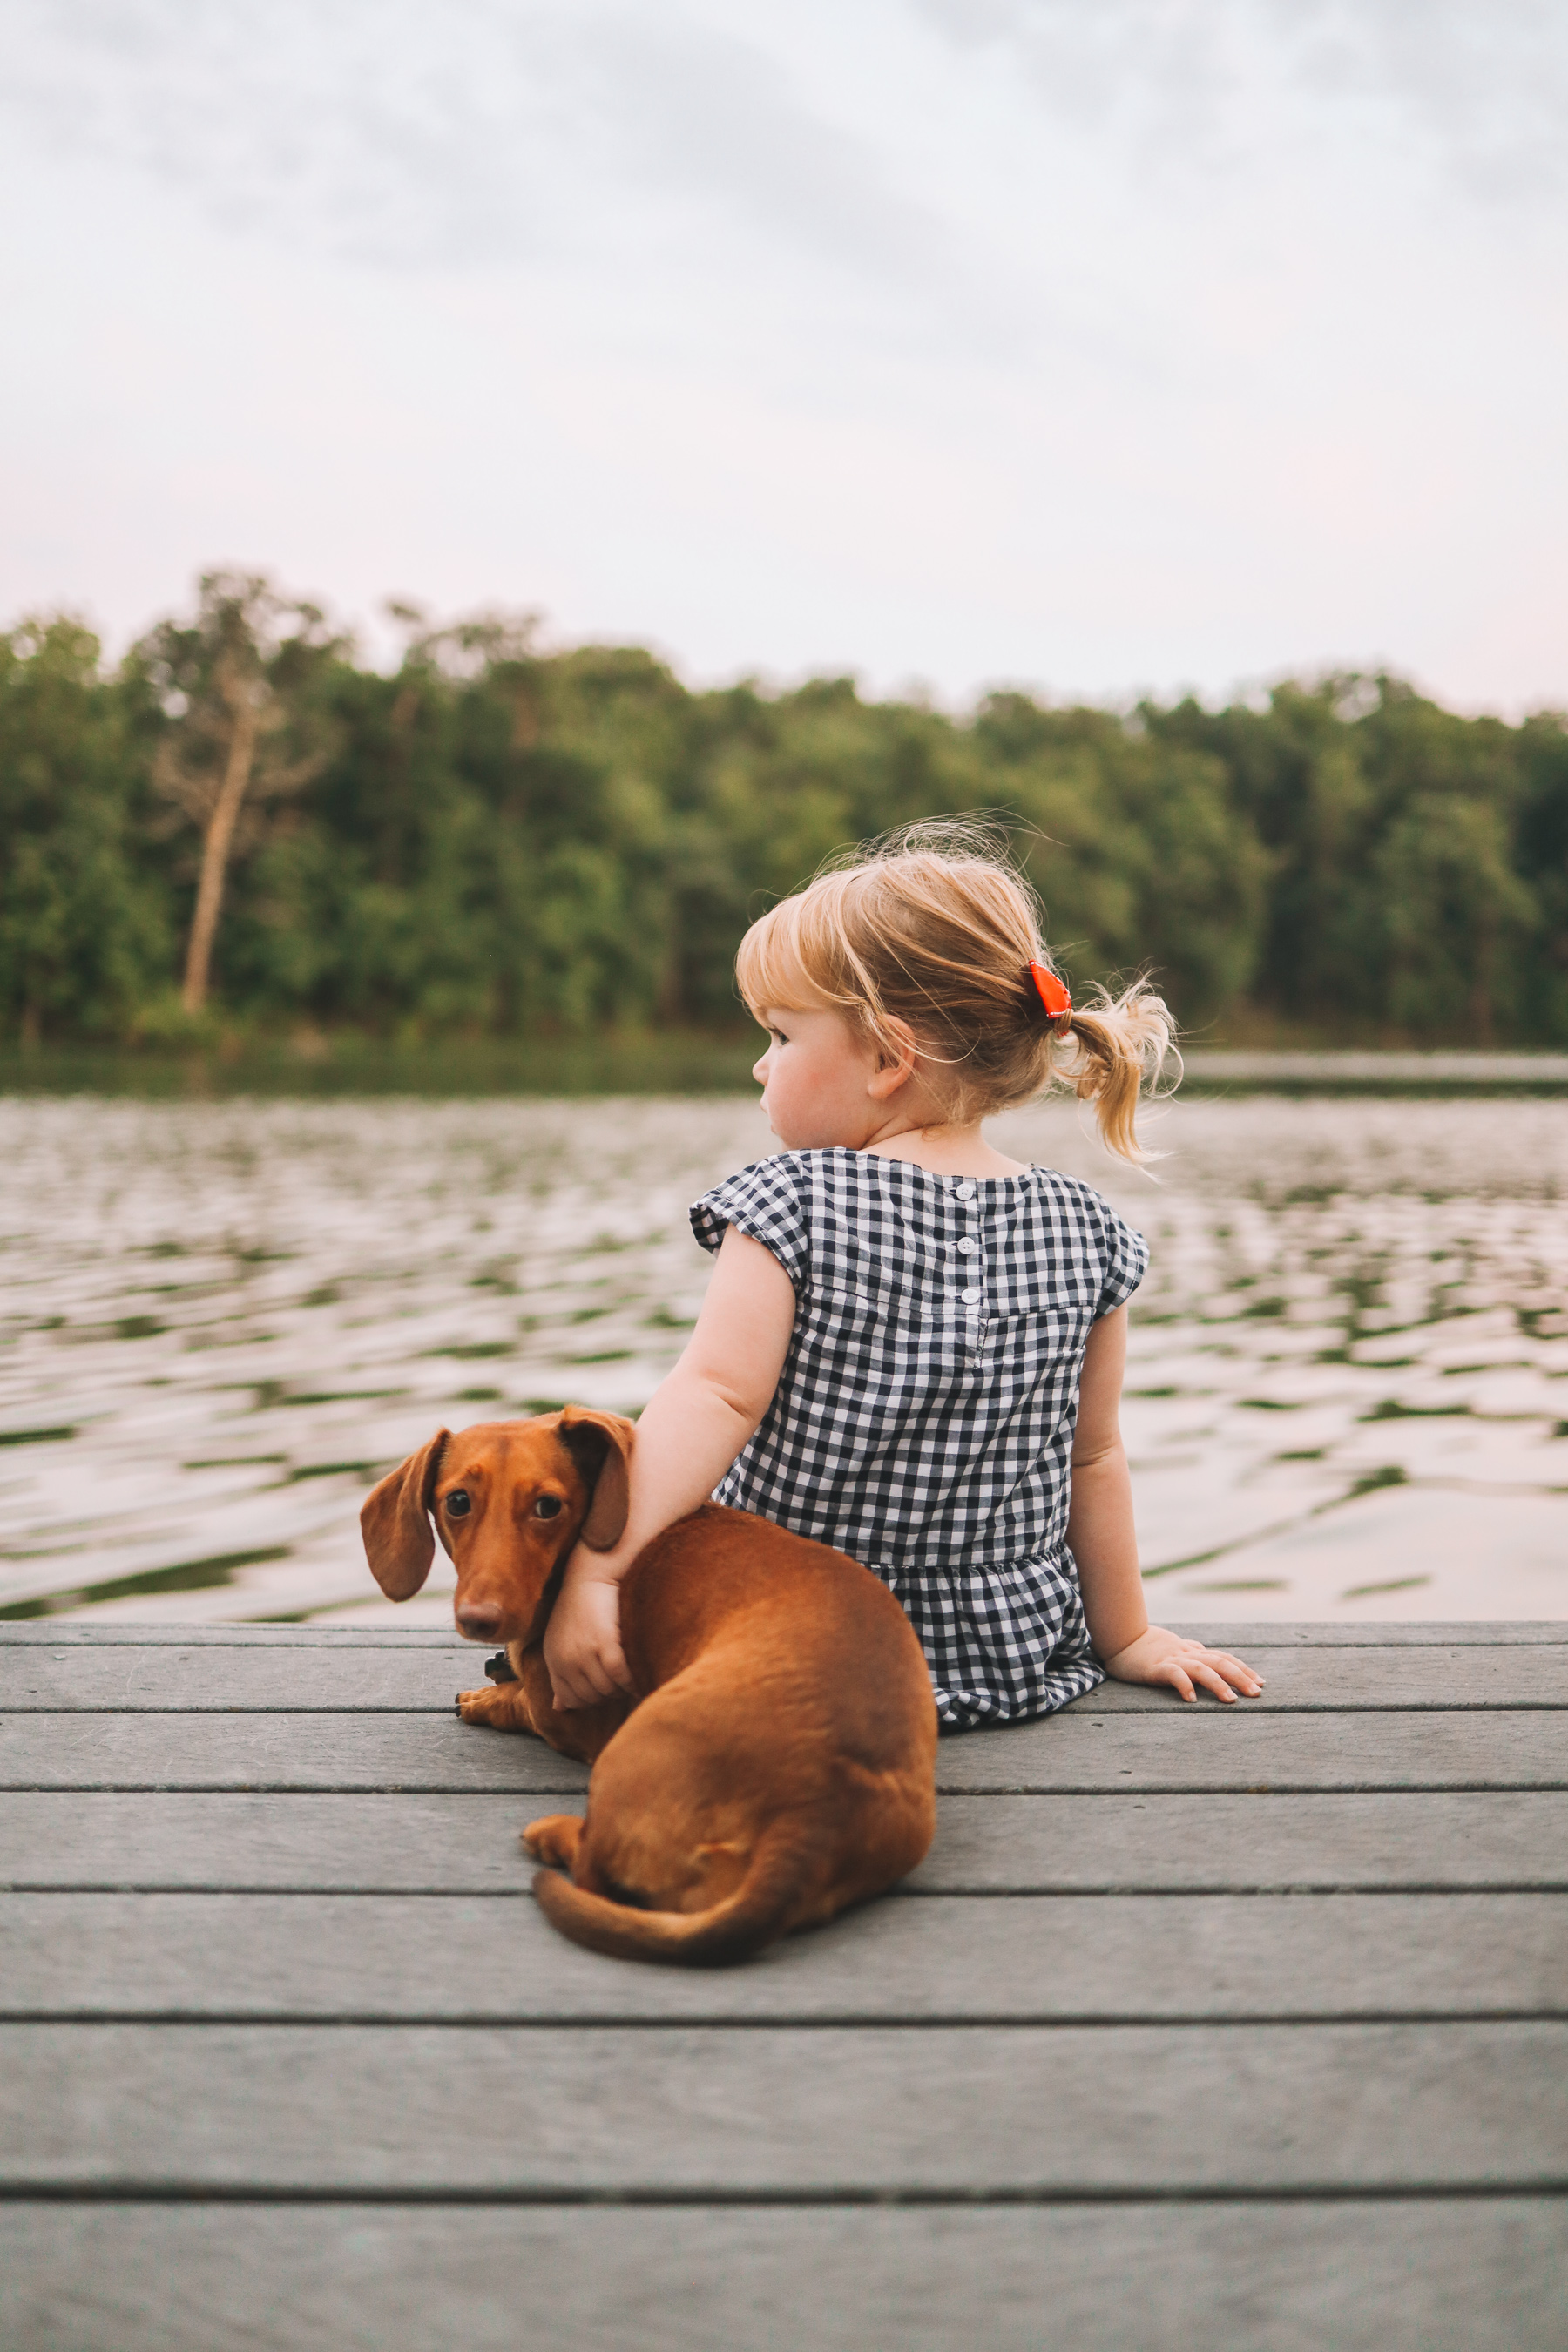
[{"x": 1223, "y": 2027}]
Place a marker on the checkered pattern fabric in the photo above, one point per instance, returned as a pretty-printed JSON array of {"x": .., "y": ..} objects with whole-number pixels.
[{"x": 923, "y": 1422}]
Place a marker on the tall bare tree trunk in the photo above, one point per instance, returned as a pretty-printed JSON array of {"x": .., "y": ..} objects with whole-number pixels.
[{"x": 217, "y": 843}]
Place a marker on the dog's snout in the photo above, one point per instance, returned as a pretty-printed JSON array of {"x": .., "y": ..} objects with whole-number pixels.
[{"x": 479, "y": 1620}]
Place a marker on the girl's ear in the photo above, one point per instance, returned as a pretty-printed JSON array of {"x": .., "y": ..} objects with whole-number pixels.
[{"x": 900, "y": 1054}]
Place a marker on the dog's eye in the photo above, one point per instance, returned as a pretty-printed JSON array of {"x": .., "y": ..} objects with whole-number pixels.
[
  {"x": 457, "y": 1504},
  {"x": 549, "y": 1507}
]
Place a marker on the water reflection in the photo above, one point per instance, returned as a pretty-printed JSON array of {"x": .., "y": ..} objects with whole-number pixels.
[{"x": 1348, "y": 1392}]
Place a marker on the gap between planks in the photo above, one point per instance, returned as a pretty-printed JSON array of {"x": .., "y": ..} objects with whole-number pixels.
[
  {"x": 1328, "y": 1634},
  {"x": 719, "y": 2198},
  {"x": 781, "y": 2020}
]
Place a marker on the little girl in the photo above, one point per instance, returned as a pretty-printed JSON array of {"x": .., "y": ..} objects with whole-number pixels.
[{"x": 911, "y": 1348}]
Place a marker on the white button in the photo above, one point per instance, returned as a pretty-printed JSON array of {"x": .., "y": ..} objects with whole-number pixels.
[
  {"x": 966, "y": 1192},
  {"x": 972, "y": 1297},
  {"x": 966, "y": 1248}
]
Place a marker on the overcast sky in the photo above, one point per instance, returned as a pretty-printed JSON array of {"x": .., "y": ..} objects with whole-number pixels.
[{"x": 1101, "y": 345}]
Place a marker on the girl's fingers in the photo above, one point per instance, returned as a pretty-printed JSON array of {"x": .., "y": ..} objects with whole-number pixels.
[
  {"x": 1215, "y": 1683},
  {"x": 580, "y": 1688},
  {"x": 611, "y": 1674},
  {"x": 1220, "y": 1662},
  {"x": 1236, "y": 1670},
  {"x": 1178, "y": 1680}
]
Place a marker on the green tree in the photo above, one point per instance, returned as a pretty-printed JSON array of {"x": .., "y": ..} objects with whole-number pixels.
[
  {"x": 1298, "y": 786},
  {"x": 241, "y": 726},
  {"x": 1456, "y": 917},
  {"x": 1137, "y": 850},
  {"x": 85, "y": 924},
  {"x": 1540, "y": 859}
]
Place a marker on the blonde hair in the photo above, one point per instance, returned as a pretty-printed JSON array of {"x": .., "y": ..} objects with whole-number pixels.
[{"x": 935, "y": 928}]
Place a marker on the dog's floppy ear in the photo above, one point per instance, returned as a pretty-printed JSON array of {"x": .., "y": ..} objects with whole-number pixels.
[
  {"x": 601, "y": 1445},
  {"x": 395, "y": 1521}
]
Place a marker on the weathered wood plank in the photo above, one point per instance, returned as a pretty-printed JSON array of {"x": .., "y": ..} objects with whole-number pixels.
[
  {"x": 346, "y": 1843},
  {"x": 120, "y": 1632},
  {"x": 1263, "y": 1843},
  {"x": 988, "y": 1958},
  {"x": 60, "y": 1633},
  {"x": 974, "y": 2110},
  {"x": 419, "y": 1680},
  {"x": 1426, "y": 2276},
  {"x": 1227, "y": 1749},
  {"x": 134, "y": 1678},
  {"x": 1497, "y": 1747},
  {"x": 1439, "y": 2274},
  {"x": 295, "y": 1751},
  {"x": 458, "y": 1844}
]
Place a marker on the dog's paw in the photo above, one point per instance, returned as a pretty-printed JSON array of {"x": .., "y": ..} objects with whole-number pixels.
[
  {"x": 553, "y": 1839},
  {"x": 493, "y": 1702}
]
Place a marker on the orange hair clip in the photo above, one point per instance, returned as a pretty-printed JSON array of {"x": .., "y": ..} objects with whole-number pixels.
[{"x": 1052, "y": 992}]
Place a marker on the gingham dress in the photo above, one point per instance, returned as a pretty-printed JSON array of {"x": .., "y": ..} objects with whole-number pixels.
[{"x": 924, "y": 1420}]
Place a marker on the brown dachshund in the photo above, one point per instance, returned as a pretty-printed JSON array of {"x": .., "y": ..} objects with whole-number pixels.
[{"x": 777, "y": 1760}]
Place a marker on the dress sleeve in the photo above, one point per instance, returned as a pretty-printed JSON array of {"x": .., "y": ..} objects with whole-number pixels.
[
  {"x": 1125, "y": 1258},
  {"x": 766, "y": 1201}
]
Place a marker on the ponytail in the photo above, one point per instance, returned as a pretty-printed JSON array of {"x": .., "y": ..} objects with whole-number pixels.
[{"x": 1118, "y": 1046}]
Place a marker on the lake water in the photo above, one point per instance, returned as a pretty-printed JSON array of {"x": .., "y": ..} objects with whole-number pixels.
[{"x": 1348, "y": 1392}]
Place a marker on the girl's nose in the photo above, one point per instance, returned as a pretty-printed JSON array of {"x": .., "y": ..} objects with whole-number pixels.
[{"x": 760, "y": 1071}]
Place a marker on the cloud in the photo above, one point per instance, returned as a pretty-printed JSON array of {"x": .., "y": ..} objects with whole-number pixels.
[
  {"x": 718, "y": 119},
  {"x": 479, "y": 130},
  {"x": 1480, "y": 90}
]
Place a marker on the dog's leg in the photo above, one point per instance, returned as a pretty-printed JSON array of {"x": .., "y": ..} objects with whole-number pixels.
[
  {"x": 555, "y": 1840},
  {"x": 526, "y": 1704},
  {"x": 579, "y": 1731}
]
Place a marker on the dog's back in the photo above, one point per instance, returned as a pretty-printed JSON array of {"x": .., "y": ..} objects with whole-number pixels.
[{"x": 780, "y": 1765}]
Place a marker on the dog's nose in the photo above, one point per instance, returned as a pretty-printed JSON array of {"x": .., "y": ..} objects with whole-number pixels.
[{"x": 479, "y": 1620}]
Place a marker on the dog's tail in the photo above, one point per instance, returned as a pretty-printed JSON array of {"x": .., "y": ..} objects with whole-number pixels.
[{"x": 731, "y": 1930}]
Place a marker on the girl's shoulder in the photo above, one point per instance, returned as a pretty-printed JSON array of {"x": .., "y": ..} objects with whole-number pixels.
[
  {"x": 777, "y": 1199},
  {"x": 1073, "y": 1193},
  {"x": 774, "y": 1178},
  {"x": 1085, "y": 1227},
  {"x": 766, "y": 1200}
]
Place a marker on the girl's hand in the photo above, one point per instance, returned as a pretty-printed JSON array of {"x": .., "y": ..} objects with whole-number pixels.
[
  {"x": 1157, "y": 1656},
  {"x": 583, "y": 1639}
]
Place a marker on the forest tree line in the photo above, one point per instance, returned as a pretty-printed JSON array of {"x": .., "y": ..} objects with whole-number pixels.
[{"x": 242, "y": 821}]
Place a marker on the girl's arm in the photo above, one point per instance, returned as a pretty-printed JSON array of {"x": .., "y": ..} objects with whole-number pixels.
[
  {"x": 1100, "y": 1532},
  {"x": 695, "y": 1424}
]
